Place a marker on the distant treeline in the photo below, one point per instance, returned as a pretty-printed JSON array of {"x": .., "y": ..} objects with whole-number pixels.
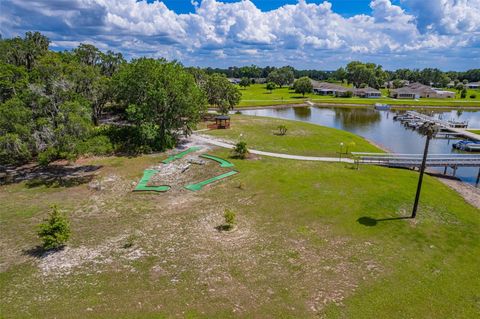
[{"x": 425, "y": 76}]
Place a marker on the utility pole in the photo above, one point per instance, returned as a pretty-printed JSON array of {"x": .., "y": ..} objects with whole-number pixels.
[{"x": 429, "y": 129}]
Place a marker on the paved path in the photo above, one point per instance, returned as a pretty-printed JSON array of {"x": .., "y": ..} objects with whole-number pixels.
[{"x": 212, "y": 141}]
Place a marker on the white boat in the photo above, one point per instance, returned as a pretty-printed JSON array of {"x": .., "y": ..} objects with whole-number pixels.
[{"x": 382, "y": 107}]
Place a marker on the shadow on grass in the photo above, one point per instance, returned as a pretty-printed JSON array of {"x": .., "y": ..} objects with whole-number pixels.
[
  {"x": 369, "y": 221},
  {"x": 54, "y": 175},
  {"x": 40, "y": 252},
  {"x": 224, "y": 227}
]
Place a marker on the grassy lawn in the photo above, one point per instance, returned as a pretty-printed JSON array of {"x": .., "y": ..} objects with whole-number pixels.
[
  {"x": 301, "y": 139},
  {"x": 298, "y": 250},
  {"x": 257, "y": 95},
  {"x": 475, "y": 131}
]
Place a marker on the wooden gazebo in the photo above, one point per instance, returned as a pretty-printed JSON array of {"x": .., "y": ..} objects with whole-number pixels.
[{"x": 221, "y": 122}]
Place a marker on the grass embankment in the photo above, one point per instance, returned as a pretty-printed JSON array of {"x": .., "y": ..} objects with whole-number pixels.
[
  {"x": 261, "y": 133},
  {"x": 257, "y": 95},
  {"x": 298, "y": 249},
  {"x": 475, "y": 131}
]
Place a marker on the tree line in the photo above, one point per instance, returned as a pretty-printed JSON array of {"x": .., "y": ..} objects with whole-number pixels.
[
  {"x": 368, "y": 73},
  {"x": 61, "y": 105}
]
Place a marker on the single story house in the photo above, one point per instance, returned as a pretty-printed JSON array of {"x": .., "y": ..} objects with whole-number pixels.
[
  {"x": 473, "y": 85},
  {"x": 325, "y": 88},
  {"x": 368, "y": 92},
  {"x": 418, "y": 90},
  {"x": 234, "y": 80}
]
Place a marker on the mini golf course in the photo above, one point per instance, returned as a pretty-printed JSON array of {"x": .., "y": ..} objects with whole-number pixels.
[
  {"x": 149, "y": 173},
  {"x": 142, "y": 185},
  {"x": 181, "y": 155},
  {"x": 223, "y": 163}
]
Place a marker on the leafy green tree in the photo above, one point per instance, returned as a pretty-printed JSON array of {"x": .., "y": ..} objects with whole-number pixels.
[
  {"x": 160, "y": 98},
  {"x": 340, "y": 74},
  {"x": 244, "y": 82},
  {"x": 368, "y": 73},
  {"x": 15, "y": 132},
  {"x": 463, "y": 93},
  {"x": 398, "y": 84},
  {"x": 282, "y": 76},
  {"x": 303, "y": 85},
  {"x": 24, "y": 51},
  {"x": 55, "y": 230},
  {"x": 221, "y": 93},
  {"x": 270, "y": 86},
  {"x": 13, "y": 81}
]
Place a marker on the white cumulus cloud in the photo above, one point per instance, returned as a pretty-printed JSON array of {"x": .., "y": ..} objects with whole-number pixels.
[{"x": 219, "y": 34}]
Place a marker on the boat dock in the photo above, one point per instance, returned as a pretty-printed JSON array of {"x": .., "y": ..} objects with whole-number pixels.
[
  {"x": 415, "y": 160},
  {"x": 414, "y": 120}
]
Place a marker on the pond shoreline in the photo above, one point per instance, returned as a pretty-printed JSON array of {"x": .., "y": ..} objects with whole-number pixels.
[{"x": 353, "y": 105}]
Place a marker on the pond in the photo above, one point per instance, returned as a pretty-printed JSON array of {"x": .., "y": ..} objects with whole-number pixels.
[{"x": 380, "y": 128}]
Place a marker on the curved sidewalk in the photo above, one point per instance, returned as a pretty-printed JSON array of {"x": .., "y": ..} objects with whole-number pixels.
[{"x": 212, "y": 141}]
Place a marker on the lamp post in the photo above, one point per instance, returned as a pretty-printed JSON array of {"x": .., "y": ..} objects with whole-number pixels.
[
  {"x": 429, "y": 129},
  {"x": 341, "y": 150}
]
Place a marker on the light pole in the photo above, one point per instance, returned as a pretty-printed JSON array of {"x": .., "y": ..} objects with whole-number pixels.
[
  {"x": 429, "y": 129},
  {"x": 341, "y": 150}
]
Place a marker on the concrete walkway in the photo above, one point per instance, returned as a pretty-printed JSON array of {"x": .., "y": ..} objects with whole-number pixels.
[{"x": 213, "y": 141}]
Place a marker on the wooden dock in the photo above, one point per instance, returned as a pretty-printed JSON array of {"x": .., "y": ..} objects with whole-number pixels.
[
  {"x": 459, "y": 129},
  {"x": 412, "y": 161}
]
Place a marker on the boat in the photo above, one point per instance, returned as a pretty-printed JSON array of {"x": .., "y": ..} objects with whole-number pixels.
[
  {"x": 469, "y": 146},
  {"x": 382, "y": 107}
]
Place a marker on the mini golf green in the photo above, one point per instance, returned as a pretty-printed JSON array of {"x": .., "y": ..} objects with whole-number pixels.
[
  {"x": 223, "y": 163},
  {"x": 182, "y": 154},
  {"x": 142, "y": 185},
  {"x": 199, "y": 186}
]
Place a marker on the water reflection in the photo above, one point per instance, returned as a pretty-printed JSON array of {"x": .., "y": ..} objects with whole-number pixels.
[
  {"x": 303, "y": 113},
  {"x": 355, "y": 118}
]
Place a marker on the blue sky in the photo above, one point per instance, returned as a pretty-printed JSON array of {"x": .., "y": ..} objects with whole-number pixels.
[
  {"x": 303, "y": 33},
  {"x": 344, "y": 7}
]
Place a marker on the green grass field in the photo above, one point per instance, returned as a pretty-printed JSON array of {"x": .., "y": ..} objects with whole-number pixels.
[
  {"x": 312, "y": 240},
  {"x": 257, "y": 95},
  {"x": 301, "y": 139},
  {"x": 475, "y": 131}
]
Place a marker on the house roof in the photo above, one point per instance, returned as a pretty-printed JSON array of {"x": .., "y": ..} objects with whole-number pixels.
[
  {"x": 367, "y": 90},
  {"x": 415, "y": 88},
  {"x": 325, "y": 86}
]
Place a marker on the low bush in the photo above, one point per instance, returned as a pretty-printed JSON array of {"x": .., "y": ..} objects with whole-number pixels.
[
  {"x": 240, "y": 150},
  {"x": 230, "y": 219}
]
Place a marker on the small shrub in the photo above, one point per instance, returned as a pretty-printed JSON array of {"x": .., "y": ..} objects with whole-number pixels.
[
  {"x": 130, "y": 241},
  {"x": 97, "y": 145},
  {"x": 463, "y": 94},
  {"x": 240, "y": 150},
  {"x": 347, "y": 94},
  {"x": 230, "y": 219},
  {"x": 473, "y": 96},
  {"x": 55, "y": 230},
  {"x": 282, "y": 130},
  {"x": 47, "y": 156}
]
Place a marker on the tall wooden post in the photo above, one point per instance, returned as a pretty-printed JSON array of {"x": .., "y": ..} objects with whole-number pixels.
[{"x": 429, "y": 132}]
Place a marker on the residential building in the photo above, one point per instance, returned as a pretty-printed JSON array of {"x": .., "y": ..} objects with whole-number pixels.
[
  {"x": 473, "y": 85},
  {"x": 418, "y": 90}
]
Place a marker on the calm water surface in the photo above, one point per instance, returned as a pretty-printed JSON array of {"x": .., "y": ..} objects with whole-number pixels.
[{"x": 379, "y": 127}]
